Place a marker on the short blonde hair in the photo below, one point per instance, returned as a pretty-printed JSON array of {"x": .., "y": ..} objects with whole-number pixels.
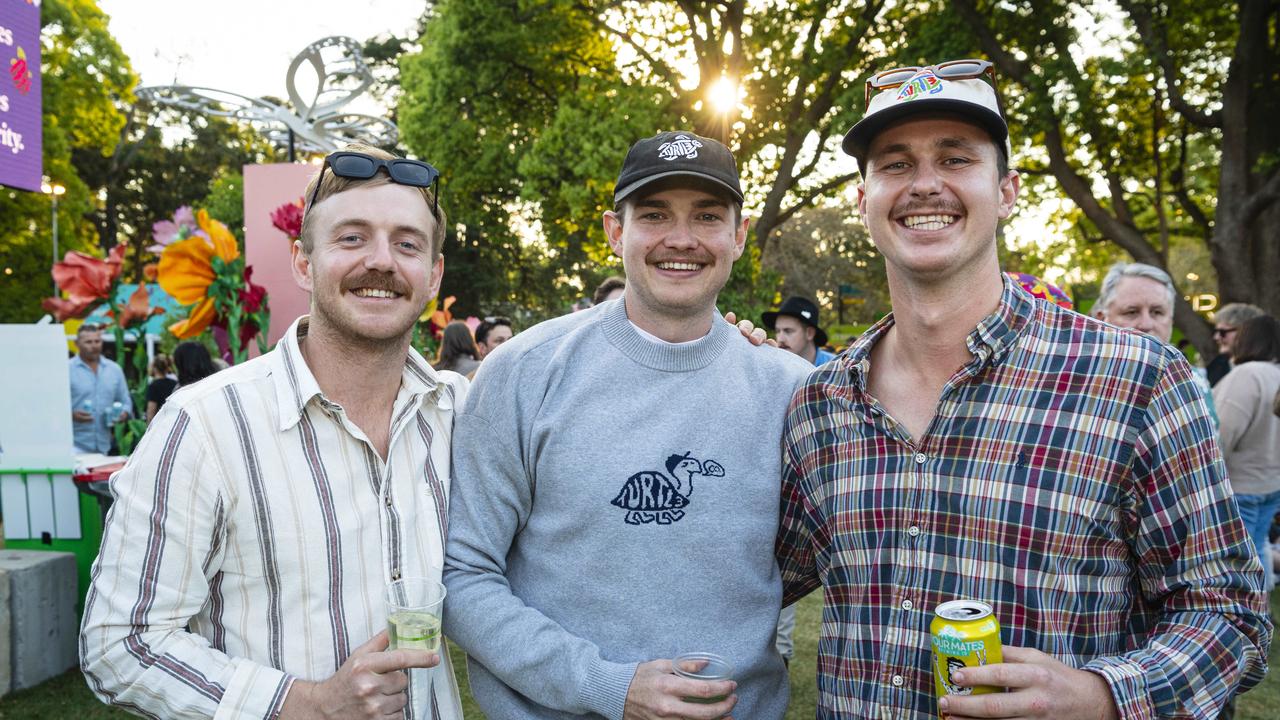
[{"x": 331, "y": 184}]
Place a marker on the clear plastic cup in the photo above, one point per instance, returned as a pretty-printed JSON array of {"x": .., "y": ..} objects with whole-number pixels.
[
  {"x": 413, "y": 614},
  {"x": 702, "y": 666}
]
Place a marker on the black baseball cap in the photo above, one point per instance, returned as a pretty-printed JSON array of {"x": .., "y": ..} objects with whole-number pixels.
[{"x": 677, "y": 153}]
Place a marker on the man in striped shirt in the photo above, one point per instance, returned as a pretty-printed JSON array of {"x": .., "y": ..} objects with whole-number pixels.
[
  {"x": 255, "y": 528},
  {"x": 980, "y": 444}
]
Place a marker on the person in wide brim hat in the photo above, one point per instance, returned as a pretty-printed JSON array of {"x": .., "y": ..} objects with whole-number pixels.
[{"x": 803, "y": 336}]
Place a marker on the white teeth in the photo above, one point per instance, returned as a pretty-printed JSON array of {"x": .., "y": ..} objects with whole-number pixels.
[
  {"x": 679, "y": 266},
  {"x": 927, "y": 222},
  {"x": 370, "y": 292}
]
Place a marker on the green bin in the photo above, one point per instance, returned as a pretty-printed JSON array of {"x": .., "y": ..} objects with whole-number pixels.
[{"x": 91, "y": 507}]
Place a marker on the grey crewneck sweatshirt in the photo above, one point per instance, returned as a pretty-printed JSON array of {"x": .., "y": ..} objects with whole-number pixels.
[{"x": 616, "y": 501}]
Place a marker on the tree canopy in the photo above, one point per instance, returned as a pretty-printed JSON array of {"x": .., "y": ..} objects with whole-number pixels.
[{"x": 1145, "y": 122}]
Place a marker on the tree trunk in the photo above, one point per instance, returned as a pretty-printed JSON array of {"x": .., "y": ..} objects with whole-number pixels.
[{"x": 1245, "y": 249}]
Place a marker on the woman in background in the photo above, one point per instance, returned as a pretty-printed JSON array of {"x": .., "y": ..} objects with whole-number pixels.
[
  {"x": 1250, "y": 431},
  {"x": 458, "y": 351},
  {"x": 193, "y": 363},
  {"x": 161, "y": 386}
]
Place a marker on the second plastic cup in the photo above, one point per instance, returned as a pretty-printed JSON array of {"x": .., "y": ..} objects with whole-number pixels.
[{"x": 702, "y": 666}]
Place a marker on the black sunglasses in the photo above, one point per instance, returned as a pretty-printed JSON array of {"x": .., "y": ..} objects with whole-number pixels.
[{"x": 359, "y": 166}]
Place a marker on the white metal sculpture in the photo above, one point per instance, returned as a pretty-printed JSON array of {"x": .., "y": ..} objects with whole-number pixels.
[{"x": 316, "y": 124}]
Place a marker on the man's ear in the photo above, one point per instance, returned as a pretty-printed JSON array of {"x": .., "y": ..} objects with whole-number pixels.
[
  {"x": 301, "y": 264},
  {"x": 437, "y": 275},
  {"x": 613, "y": 231},
  {"x": 1009, "y": 188},
  {"x": 740, "y": 238}
]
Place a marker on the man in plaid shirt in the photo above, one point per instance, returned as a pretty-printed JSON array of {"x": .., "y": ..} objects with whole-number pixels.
[{"x": 980, "y": 444}]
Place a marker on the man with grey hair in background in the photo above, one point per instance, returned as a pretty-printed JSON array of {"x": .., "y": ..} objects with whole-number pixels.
[
  {"x": 1137, "y": 296},
  {"x": 1140, "y": 297}
]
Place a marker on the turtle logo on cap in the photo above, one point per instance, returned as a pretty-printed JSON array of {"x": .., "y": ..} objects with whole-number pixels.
[
  {"x": 924, "y": 83},
  {"x": 682, "y": 147},
  {"x": 650, "y": 496}
]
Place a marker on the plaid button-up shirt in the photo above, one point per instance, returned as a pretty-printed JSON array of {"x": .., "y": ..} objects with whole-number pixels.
[{"x": 1070, "y": 478}]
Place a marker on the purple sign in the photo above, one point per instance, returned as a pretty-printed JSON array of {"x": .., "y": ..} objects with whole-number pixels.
[{"x": 20, "y": 157}]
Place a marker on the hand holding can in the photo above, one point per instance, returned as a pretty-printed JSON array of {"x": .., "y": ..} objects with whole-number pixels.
[{"x": 964, "y": 633}]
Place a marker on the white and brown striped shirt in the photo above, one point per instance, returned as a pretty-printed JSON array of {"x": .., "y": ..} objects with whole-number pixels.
[{"x": 253, "y": 532}]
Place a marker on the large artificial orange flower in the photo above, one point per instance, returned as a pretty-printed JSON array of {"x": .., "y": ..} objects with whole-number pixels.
[{"x": 186, "y": 271}]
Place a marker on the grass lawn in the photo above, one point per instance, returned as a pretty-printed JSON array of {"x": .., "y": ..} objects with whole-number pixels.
[{"x": 67, "y": 696}]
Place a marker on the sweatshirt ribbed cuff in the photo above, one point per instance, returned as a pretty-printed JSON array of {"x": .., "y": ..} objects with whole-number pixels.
[{"x": 605, "y": 688}]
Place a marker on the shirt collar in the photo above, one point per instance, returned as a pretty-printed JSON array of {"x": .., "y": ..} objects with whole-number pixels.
[
  {"x": 990, "y": 341},
  {"x": 296, "y": 387}
]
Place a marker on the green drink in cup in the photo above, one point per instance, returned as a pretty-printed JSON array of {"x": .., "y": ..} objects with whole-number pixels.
[
  {"x": 413, "y": 614},
  {"x": 702, "y": 666}
]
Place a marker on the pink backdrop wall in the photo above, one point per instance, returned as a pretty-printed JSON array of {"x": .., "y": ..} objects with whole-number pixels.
[{"x": 267, "y": 187}]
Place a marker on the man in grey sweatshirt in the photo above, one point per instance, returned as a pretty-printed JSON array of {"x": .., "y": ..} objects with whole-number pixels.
[{"x": 618, "y": 475}]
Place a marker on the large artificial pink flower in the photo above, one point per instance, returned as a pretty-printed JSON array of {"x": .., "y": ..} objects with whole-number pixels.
[{"x": 182, "y": 226}]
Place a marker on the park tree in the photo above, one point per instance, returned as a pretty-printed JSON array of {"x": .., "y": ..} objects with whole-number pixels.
[
  {"x": 164, "y": 158},
  {"x": 823, "y": 248},
  {"x": 86, "y": 78},
  {"x": 1162, "y": 136},
  {"x": 1150, "y": 119},
  {"x": 522, "y": 107},
  {"x": 529, "y": 106}
]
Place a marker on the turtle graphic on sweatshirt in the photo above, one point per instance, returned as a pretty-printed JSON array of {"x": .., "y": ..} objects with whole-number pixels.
[{"x": 650, "y": 496}]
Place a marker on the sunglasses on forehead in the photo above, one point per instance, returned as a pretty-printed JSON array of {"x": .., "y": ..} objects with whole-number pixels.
[
  {"x": 358, "y": 166},
  {"x": 950, "y": 70}
]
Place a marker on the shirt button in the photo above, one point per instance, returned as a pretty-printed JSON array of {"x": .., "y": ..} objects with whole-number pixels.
[
  {"x": 395, "y": 573},
  {"x": 907, "y": 605},
  {"x": 913, "y": 531},
  {"x": 921, "y": 458},
  {"x": 388, "y": 501},
  {"x": 897, "y": 681}
]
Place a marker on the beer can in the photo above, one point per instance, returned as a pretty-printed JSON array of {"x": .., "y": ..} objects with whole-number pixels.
[{"x": 963, "y": 633}]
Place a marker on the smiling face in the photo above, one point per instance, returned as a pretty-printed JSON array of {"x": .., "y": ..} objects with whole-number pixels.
[
  {"x": 932, "y": 198},
  {"x": 371, "y": 270},
  {"x": 677, "y": 246},
  {"x": 1142, "y": 304}
]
